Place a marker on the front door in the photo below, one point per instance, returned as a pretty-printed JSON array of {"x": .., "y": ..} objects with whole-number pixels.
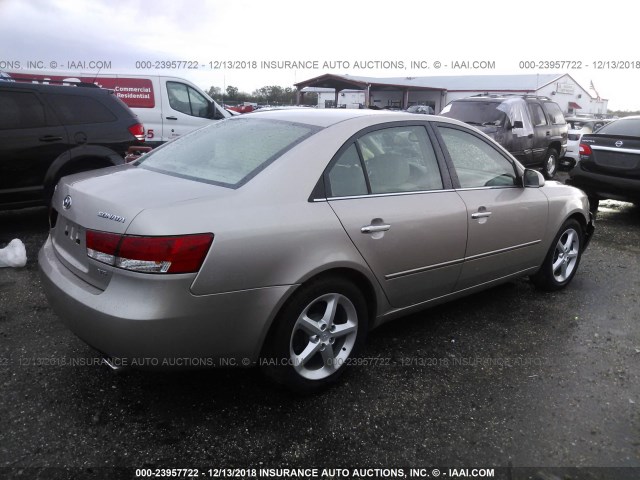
[
  {"x": 506, "y": 222},
  {"x": 187, "y": 110}
]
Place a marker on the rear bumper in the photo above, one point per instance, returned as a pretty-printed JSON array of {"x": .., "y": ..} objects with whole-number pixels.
[
  {"x": 601, "y": 186},
  {"x": 155, "y": 322}
]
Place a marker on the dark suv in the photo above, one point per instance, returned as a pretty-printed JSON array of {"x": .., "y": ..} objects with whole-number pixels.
[
  {"x": 532, "y": 128},
  {"x": 48, "y": 131}
]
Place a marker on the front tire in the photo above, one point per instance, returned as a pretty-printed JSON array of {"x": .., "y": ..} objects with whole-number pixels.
[
  {"x": 550, "y": 164},
  {"x": 562, "y": 260},
  {"x": 316, "y": 334}
]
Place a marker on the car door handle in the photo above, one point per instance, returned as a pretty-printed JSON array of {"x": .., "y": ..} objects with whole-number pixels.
[
  {"x": 172, "y": 118},
  {"x": 480, "y": 215},
  {"x": 548, "y": 133},
  {"x": 375, "y": 228},
  {"x": 50, "y": 138}
]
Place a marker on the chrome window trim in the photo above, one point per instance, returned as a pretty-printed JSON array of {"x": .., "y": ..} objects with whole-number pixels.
[
  {"x": 494, "y": 187},
  {"x": 390, "y": 194},
  {"x": 415, "y": 192}
]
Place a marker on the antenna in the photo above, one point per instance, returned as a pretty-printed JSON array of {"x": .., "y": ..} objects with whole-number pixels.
[{"x": 96, "y": 76}]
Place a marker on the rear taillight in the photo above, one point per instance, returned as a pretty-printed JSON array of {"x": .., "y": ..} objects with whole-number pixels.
[
  {"x": 137, "y": 131},
  {"x": 585, "y": 149},
  {"x": 175, "y": 254}
]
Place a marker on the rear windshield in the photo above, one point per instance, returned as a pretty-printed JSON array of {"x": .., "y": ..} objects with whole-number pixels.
[
  {"x": 229, "y": 152},
  {"x": 630, "y": 128},
  {"x": 475, "y": 113}
]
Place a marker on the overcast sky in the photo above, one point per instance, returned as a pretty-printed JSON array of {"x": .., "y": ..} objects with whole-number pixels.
[{"x": 124, "y": 32}]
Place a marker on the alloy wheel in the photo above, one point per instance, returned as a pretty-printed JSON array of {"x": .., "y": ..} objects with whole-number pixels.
[
  {"x": 323, "y": 336},
  {"x": 565, "y": 256}
]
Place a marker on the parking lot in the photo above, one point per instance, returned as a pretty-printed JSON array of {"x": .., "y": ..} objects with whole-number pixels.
[{"x": 507, "y": 377}]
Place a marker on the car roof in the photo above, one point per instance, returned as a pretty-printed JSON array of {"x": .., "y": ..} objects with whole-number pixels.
[
  {"x": 85, "y": 89},
  {"x": 501, "y": 98},
  {"x": 630, "y": 117},
  {"x": 333, "y": 116},
  {"x": 330, "y": 116}
]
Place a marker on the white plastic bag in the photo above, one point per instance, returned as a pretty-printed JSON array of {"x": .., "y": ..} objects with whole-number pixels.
[{"x": 13, "y": 255}]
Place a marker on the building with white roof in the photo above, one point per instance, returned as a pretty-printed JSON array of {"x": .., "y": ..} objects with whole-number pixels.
[{"x": 437, "y": 91}]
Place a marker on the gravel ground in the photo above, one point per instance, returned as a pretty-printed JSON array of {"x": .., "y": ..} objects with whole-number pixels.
[{"x": 508, "y": 377}]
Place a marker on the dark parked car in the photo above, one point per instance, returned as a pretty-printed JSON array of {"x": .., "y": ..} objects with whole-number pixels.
[
  {"x": 49, "y": 131},
  {"x": 531, "y": 128},
  {"x": 609, "y": 165}
]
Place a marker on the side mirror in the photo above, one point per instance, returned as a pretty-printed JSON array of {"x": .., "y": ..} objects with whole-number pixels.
[
  {"x": 213, "y": 112},
  {"x": 532, "y": 178}
]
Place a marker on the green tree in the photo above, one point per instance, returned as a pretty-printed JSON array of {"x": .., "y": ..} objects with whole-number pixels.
[
  {"x": 215, "y": 92},
  {"x": 232, "y": 93}
]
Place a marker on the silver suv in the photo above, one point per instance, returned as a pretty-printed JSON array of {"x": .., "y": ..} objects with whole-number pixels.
[{"x": 531, "y": 128}]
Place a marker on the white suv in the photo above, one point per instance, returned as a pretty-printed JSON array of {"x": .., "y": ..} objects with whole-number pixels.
[{"x": 579, "y": 126}]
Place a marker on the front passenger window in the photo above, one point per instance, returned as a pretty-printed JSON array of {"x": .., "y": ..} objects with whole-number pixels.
[
  {"x": 477, "y": 163},
  {"x": 186, "y": 100}
]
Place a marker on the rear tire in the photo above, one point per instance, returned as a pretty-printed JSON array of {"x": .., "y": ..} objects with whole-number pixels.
[
  {"x": 317, "y": 333},
  {"x": 550, "y": 166},
  {"x": 562, "y": 261}
]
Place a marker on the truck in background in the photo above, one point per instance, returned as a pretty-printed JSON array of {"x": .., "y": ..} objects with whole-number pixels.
[{"x": 167, "y": 106}]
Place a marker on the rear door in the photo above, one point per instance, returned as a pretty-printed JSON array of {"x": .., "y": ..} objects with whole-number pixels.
[
  {"x": 506, "y": 222},
  {"x": 541, "y": 134},
  {"x": 90, "y": 122},
  {"x": 387, "y": 189},
  {"x": 30, "y": 140},
  {"x": 558, "y": 127}
]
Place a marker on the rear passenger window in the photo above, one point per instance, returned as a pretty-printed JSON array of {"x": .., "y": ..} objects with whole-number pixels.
[
  {"x": 20, "y": 110},
  {"x": 76, "y": 109},
  {"x": 555, "y": 114},
  {"x": 346, "y": 177},
  {"x": 537, "y": 115},
  {"x": 476, "y": 162},
  {"x": 400, "y": 159}
]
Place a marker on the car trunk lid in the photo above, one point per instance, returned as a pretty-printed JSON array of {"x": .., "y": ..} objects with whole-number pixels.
[
  {"x": 108, "y": 200},
  {"x": 613, "y": 154}
]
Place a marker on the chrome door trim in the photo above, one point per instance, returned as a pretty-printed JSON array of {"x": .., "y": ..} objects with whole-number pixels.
[{"x": 393, "y": 276}]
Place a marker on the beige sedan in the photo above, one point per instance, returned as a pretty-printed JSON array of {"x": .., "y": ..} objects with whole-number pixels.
[{"x": 281, "y": 238}]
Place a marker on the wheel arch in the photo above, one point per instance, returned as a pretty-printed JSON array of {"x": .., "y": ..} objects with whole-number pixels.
[
  {"x": 360, "y": 281},
  {"x": 555, "y": 145},
  {"x": 72, "y": 161},
  {"x": 579, "y": 217}
]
